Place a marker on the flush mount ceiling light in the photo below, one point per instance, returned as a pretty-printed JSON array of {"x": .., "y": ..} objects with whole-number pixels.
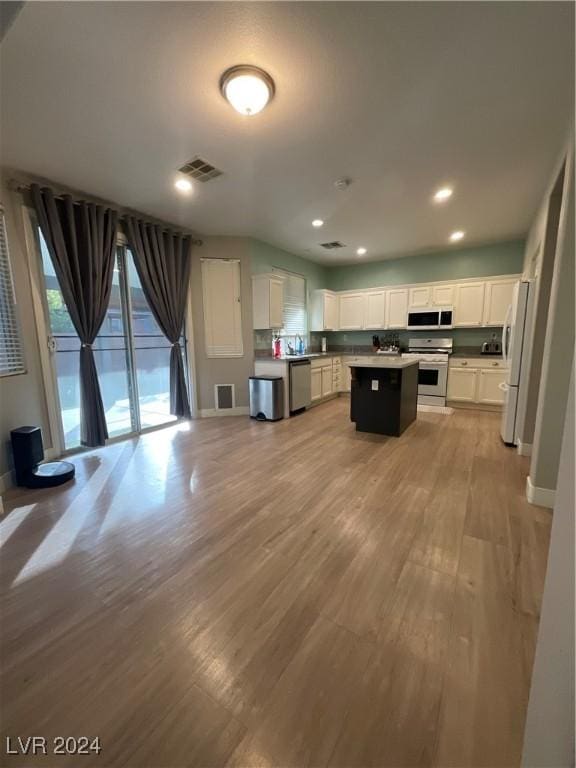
[
  {"x": 455, "y": 236},
  {"x": 443, "y": 194},
  {"x": 317, "y": 223},
  {"x": 361, "y": 251},
  {"x": 183, "y": 185},
  {"x": 247, "y": 88}
]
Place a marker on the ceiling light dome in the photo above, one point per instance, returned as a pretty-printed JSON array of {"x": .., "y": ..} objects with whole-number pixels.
[{"x": 247, "y": 88}]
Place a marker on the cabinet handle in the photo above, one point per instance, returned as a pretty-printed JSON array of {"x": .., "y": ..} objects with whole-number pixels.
[
  {"x": 495, "y": 365},
  {"x": 465, "y": 363}
]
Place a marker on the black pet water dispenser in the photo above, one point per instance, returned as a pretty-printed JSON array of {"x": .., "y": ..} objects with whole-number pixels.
[{"x": 28, "y": 453}]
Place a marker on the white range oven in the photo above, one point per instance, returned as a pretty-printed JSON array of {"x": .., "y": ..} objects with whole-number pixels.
[{"x": 432, "y": 355}]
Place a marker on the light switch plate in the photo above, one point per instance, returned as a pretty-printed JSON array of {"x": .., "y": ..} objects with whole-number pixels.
[{"x": 375, "y": 383}]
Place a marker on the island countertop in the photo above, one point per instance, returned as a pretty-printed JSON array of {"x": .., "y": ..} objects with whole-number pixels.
[{"x": 384, "y": 362}]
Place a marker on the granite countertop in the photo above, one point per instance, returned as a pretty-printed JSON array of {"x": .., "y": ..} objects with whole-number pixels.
[{"x": 384, "y": 362}]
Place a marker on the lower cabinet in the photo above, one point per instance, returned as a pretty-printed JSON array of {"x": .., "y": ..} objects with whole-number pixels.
[
  {"x": 326, "y": 380},
  {"x": 316, "y": 383},
  {"x": 489, "y": 387},
  {"x": 462, "y": 384},
  {"x": 476, "y": 385}
]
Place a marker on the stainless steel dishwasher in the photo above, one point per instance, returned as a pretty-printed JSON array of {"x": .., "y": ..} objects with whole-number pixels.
[{"x": 300, "y": 384}]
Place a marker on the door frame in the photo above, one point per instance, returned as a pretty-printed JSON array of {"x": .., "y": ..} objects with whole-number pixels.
[{"x": 48, "y": 369}]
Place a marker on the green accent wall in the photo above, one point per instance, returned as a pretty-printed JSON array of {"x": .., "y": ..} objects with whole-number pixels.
[
  {"x": 266, "y": 256},
  {"x": 480, "y": 261},
  {"x": 462, "y": 337}
]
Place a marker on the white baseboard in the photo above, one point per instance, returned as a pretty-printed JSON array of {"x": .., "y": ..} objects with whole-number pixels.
[
  {"x": 524, "y": 449},
  {"x": 239, "y": 410},
  {"x": 543, "y": 497}
]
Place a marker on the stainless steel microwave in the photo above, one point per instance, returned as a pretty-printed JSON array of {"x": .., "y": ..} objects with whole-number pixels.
[{"x": 429, "y": 319}]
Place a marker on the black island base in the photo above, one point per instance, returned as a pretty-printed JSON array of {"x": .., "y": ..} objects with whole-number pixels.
[{"x": 383, "y": 396}]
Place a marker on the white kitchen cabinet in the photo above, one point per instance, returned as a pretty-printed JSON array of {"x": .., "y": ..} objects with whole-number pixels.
[
  {"x": 316, "y": 384},
  {"x": 420, "y": 297},
  {"x": 489, "y": 383},
  {"x": 324, "y": 316},
  {"x": 396, "y": 307},
  {"x": 326, "y": 380},
  {"x": 443, "y": 295},
  {"x": 267, "y": 302},
  {"x": 462, "y": 384},
  {"x": 374, "y": 310},
  {"x": 469, "y": 305},
  {"x": 351, "y": 312},
  {"x": 498, "y": 299}
]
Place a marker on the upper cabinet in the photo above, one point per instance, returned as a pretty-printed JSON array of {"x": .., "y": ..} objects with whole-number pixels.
[
  {"x": 374, "y": 310},
  {"x": 324, "y": 315},
  {"x": 443, "y": 295},
  {"x": 396, "y": 307},
  {"x": 497, "y": 301},
  {"x": 420, "y": 297},
  {"x": 351, "y": 311},
  {"x": 267, "y": 302},
  {"x": 469, "y": 305}
]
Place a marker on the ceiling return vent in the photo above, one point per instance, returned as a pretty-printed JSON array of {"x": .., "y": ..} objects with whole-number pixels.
[
  {"x": 332, "y": 245},
  {"x": 200, "y": 170}
]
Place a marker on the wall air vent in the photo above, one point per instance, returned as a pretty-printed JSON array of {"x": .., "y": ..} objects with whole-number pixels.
[
  {"x": 224, "y": 396},
  {"x": 332, "y": 245},
  {"x": 200, "y": 169}
]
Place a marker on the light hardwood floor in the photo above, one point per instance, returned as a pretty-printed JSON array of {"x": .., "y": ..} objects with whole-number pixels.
[{"x": 233, "y": 593}]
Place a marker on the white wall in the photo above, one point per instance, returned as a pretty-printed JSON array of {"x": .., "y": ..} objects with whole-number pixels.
[
  {"x": 549, "y": 734},
  {"x": 556, "y": 364},
  {"x": 22, "y": 398}
]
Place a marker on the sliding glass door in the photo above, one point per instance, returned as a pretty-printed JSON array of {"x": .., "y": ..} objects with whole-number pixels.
[
  {"x": 151, "y": 355},
  {"x": 131, "y": 352}
]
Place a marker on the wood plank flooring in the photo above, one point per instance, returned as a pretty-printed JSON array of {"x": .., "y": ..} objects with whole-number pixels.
[{"x": 234, "y": 593}]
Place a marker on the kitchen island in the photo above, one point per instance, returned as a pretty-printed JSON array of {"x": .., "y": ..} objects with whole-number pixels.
[{"x": 384, "y": 395}]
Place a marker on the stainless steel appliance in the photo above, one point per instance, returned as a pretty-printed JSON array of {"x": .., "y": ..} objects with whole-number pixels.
[
  {"x": 515, "y": 346},
  {"x": 429, "y": 319},
  {"x": 491, "y": 348},
  {"x": 300, "y": 384},
  {"x": 266, "y": 397},
  {"x": 432, "y": 355}
]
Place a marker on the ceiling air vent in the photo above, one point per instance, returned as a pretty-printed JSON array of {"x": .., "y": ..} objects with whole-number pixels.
[
  {"x": 332, "y": 245},
  {"x": 200, "y": 170}
]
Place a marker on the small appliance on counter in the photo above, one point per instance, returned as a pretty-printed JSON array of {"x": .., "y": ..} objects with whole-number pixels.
[{"x": 493, "y": 347}]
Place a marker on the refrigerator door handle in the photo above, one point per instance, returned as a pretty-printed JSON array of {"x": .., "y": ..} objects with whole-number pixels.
[{"x": 506, "y": 335}]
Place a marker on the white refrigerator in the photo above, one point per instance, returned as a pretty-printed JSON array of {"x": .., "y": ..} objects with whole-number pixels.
[{"x": 515, "y": 344}]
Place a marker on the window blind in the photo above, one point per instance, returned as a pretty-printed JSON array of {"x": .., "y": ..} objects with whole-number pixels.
[
  {"x": 222, "y": 308},
  {"x": 11, "y": 353},
  {"x": 295, "y": 320}
]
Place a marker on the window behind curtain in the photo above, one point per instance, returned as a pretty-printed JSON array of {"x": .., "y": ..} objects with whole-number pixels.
[
  {"x": 295, "y": 319},
  {"x": 11, "y": 353}
]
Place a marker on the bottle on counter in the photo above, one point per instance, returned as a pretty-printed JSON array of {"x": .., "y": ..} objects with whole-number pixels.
[
  {"x": 300, "y": 346},
  {"x": 277, "y": 348}
]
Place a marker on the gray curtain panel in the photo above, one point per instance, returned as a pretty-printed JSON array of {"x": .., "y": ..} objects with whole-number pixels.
[
  {"x": 81, "y": 240},
  {"x": 163, "y": 263}
]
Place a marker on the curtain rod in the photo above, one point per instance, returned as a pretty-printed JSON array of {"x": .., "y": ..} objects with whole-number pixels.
[{"x": 19, "y": 187}]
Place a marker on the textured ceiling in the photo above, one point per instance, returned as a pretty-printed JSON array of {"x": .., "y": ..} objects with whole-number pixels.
[{"x": 111, "y": 98}]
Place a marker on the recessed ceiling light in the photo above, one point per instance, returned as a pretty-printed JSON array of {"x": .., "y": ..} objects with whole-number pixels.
[
  {"x": 183, "y": 185},
  {"x": 458, "y": 235},
  {"x": 361, "y": 251},
  {"x": 248, "y": 89},
  {"x": 317, "y": 223},
  {"x": 443, "y": 194}
]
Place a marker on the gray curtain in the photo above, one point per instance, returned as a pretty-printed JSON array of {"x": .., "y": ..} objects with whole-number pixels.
[
  {"x": 81, "y": 240},
  {"x": 163, "y": 263}
]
